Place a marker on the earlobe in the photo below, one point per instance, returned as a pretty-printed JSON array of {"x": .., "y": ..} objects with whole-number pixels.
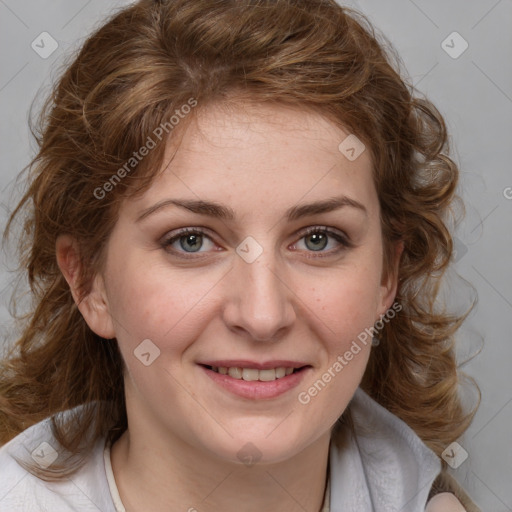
[{"x": 94, "y": 305}]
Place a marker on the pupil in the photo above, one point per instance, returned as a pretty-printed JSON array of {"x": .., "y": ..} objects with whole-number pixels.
[
  {"x": 319, "y": 241},
  {"x": 195, "y": 242}
]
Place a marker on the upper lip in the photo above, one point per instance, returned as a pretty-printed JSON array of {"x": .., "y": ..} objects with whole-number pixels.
[{"x": 245, "y": 363}]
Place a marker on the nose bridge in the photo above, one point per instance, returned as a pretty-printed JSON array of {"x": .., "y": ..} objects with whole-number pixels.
[{"x": 259, "y": 302}]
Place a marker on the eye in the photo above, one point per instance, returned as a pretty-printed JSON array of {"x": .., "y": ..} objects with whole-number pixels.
[
  {"x": 188, "y": 240},
  {"x": 318, "y": 238}
]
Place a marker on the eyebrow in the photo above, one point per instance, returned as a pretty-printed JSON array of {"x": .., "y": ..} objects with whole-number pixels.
[{"x": 222, "y": 212}]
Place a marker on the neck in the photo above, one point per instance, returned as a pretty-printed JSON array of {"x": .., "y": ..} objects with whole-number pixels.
[{"x": 169, "y": 476}]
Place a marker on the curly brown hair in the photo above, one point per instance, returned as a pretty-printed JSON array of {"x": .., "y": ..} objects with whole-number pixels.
[{"x": 127, "y": 79}]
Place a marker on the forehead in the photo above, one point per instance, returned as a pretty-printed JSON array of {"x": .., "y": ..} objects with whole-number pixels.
[{"x": 255, "y": 153}]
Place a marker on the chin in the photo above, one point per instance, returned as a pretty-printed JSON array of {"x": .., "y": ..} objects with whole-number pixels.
[{"x": 257, "y": 447}]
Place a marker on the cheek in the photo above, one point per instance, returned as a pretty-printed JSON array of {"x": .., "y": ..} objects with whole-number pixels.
[
  {"x": 152, "y": 302},
  {"x": 346, "y": 302}
]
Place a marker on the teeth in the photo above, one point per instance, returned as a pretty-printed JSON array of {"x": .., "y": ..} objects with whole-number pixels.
[
  {"x": 252, "y": 374},
  {"x": 280, "y": 372},
  {"x": 234, "y": 372}
]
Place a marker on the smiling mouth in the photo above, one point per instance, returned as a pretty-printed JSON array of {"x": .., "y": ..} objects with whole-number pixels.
[{"x": 253, "y": 374}]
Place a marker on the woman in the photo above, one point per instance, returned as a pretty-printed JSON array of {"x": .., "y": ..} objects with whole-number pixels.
[{"x": 235, "y": 231}]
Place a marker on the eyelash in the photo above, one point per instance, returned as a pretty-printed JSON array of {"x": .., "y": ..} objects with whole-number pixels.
[{"x": 341, "y": 239}]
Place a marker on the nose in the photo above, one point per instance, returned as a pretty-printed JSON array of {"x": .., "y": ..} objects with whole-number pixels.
[{"x": 260, "y": 303}]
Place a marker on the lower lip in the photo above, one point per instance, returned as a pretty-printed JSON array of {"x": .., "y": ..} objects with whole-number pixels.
[{"x": 257, "y": 390}]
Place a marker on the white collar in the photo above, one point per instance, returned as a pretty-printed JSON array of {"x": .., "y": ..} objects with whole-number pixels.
[{"x": 385, "y": 467}]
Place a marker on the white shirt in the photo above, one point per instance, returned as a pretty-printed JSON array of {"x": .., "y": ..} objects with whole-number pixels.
[{"x": 384, "y": 468}]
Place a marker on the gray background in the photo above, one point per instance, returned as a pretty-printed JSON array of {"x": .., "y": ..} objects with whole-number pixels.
[{"x": 473, "y": 92}]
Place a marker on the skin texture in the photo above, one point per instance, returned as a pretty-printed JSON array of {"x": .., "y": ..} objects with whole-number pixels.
[
  {"x": 444, "y": 502},
  {"x": 180, "y": 450}
]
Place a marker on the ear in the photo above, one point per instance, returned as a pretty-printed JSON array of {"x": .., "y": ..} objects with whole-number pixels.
[
  {"x": 94, "y": 306},
  {"x": 389, "y": 285}
]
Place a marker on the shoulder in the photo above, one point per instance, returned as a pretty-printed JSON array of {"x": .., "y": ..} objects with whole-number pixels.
[
  {"x": 445, "y": 502},
  {"x": 448, "y": 488},
  {"x": 21, "y": 490}
]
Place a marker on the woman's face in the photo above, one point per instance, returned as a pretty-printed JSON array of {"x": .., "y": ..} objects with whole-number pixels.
[{"x": 281, "y": 268}]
